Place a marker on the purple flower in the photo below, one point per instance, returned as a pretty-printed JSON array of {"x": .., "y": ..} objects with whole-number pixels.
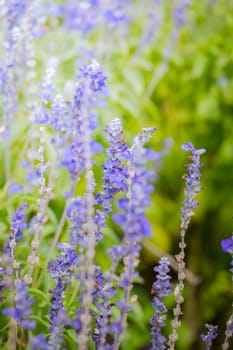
[
  {"x": 179, "y": 13},
  {"x": 47, "y": 85},
  {"x": 115, "y": 171},
  {"x": 192, "y": 188},
  {"x": 22, "y": 310},
  {"x": 17, "y": 226},
  {"x": 133, "y": 220},
  {"x": 161, "y": 288},
  {"x": 116, "y": 327},
  {"x": 15, "y": 10},
  {"x": 162, "y": 285},
  {"x": 2, "y": 281},
  {"x": 157, "y": 322},
  {"x": 210, "y": 336},
  {"x": 61, "y": 271},
  {"x": 82, "y": 120},
  {"x": 38, "y": 342},
  {"x": 14, "y": 187},
  {"x": 3, "y": 78},
  {"x": 227, "y": 245},
  {"x": 116, "y": 13},
  {"x": 86, "y": 16},
  {"x": 93, "y": 73},
  {"x": 188, "y": 146},
  {"x": 77, "y": 214},
  {"x": 103, "y": 293},
  {"x": 74, "y": 122},
  {"x": 59, "y": 114},
  {"x": 18, "y": 220},
  {"x": 83, "y": 17},
  {"x": 153, "y": 23},
  {"x": 62, "y": 268},
  {"x": 192, "y": 180}
]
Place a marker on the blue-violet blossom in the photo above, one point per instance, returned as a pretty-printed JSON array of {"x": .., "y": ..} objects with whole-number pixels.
[
  {"x": 210, "y": 336},
  {"x": 22, "y": 309},
  {"x": 161, "y": 288}
]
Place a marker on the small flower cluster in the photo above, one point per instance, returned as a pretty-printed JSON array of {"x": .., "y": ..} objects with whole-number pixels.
[
  {"x": 210, "y": 336},
  {"x": 81, "y": 120},
  {"x": 161, "y": 288},
  {"x": 18, "y": 221},
  {"x": 22, "y": 309},
  {"x": 87, "y": 16},
  {"x": 2, "y": 282},
  {"x": 192, "y": 181},
  {"x": 192, "y": 188},
  {"x": 115, "y": 171},
  {"x": 227, "y": 245},
  {"x": 62, "y": 272}
]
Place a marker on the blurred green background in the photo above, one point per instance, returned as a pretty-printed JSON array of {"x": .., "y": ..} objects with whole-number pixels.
[{"x": 188, "y": 96}]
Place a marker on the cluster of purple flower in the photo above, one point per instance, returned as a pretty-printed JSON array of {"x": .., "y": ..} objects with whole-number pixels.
[
  {"x": 161, "y": 288},
  {"x": 17, "y": 226},
  {"x": 192, "y": 180},
  {"x": 101, "y": 300},
  {"x": 86, "y": 16},
  {"x": 22, "y": 309},
  {"x": 61, "y": 271}
]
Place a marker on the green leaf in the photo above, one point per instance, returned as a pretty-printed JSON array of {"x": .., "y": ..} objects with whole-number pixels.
[
  {"x": 137, "y": 316},
  {"x": 39, "y": 294},
  {"x": 135, "y": 79},
  {"x": 94, "y": 309},
  {"x": 40, "y": 320},
  {"x": 71, "y": 337}
]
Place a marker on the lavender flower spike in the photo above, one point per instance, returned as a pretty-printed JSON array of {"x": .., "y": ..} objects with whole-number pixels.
[
  {"x": 161, "y": 287},
  {"x": 210, "y": 336},
  {"x": 38, "y": 342},
  {"x": 18, "y": 224},
  {"x": 134, "y": 222},
  {"x": 192, "y": 180},
  {"x": 22, "y": 310},
  {"x": 115, "y": 171}
]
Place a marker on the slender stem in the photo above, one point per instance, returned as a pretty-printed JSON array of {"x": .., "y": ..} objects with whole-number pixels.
[
  {"x": 22, "y": 151},
  {"x": 7, "y": 159},
  {"x": 128, "y": 269},
  {"x": 156, "y": 77},
  {"x": 53, "y": 244},
  {"x": 45, "y": 195},
  {"x": 178, "y": 292},
  {"x": 75, "y": 292},
  {"x": 228, "y": 333},
  {"x": 12, "y": 334},
  {"x": 156, "y": 251},
  {"x": 57, "y": 234},
  {"x": 90, "y": 269},
  {"x": 88, "y": 266},
  {"x": 123, "y": 319}
]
